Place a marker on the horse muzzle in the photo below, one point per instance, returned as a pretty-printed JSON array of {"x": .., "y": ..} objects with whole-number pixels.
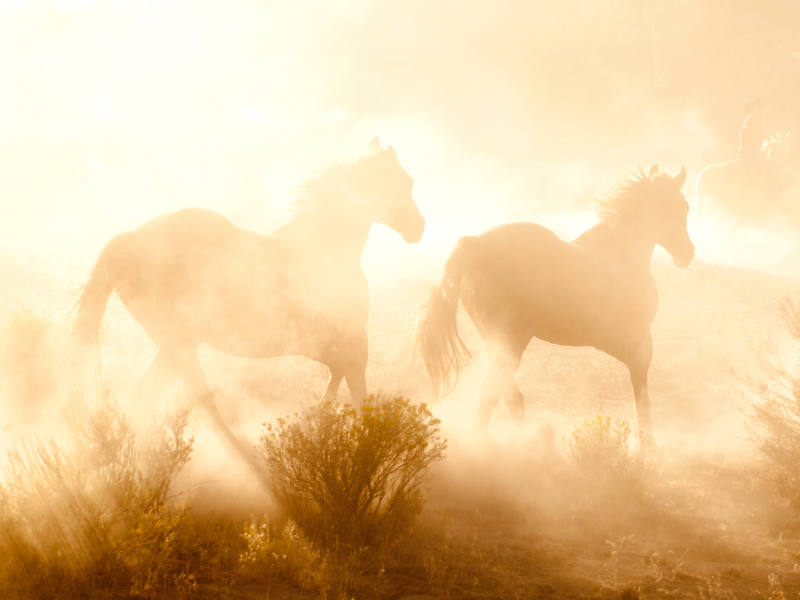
[
  {"x": 412, "y": 232},
  {"x": 683, "y": 259}
]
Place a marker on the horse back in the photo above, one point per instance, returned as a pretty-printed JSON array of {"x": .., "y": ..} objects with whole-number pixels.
[
  {"x": 557, "y": 291},
  {"x": 192, "y": 276}
]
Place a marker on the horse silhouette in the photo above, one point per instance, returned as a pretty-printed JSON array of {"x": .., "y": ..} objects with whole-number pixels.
[
  {"x": 192, "y": 277},
  {"x": 519, "y": 280}
]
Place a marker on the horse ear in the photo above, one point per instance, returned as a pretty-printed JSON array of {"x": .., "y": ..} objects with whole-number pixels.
[
  {"x": 374, "y": 146},
  {"x": 653, "y": 171},
  {"x": 390, "y": 151},
  {"x": 680, "y": 178}
]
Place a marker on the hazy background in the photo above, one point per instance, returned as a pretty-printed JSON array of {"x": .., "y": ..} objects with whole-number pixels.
[{"x": 112, "y": 112}]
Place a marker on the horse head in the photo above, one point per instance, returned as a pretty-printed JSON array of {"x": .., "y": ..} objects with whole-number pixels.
[
  {"x": 386, "y": 188},
  {"x": 668, "y": 218}
]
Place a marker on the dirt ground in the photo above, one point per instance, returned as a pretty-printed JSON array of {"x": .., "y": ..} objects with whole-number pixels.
[{"x": 508, "y": 516}]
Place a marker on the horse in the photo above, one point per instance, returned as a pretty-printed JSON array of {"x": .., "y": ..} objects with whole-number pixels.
[
  {"x": 519, "y": 280},
  {"x": 191, "y": 277},
  {"x": 747, "y": 189}
]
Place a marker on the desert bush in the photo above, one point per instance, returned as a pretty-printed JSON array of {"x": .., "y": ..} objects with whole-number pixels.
[
  {"x": 85, "y": 513},
  {"x": 606, "y": 449},
  {"x": 773, "y": 411},
  {"x": 354, "y": 475}
]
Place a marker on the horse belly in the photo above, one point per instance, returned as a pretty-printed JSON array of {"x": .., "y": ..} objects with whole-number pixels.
[
  {"x": 182, "y": 298},
  {"x": 574, "y": 306}
]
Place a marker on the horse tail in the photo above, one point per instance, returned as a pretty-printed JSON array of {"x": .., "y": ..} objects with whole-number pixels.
[
  {"x": 436, "y": 332},
  {"x": 91, "y": 305}
]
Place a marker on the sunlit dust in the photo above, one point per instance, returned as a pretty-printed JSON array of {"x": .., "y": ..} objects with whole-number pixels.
[{"x": 220, "y": 223}]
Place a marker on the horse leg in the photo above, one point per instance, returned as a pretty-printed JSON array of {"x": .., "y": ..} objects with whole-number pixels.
[
  {"x": 354, "y": 356},
  {"x": 333, "y": 384},
  {"x": 197, "y": 390},
  {"x": 638, "y": 367},
  {"x": 330, "y": 356},
  {"x": 499, "y": 379},
  {"x": 159, "y": 375},
  {"x": 515, "y": 402}
]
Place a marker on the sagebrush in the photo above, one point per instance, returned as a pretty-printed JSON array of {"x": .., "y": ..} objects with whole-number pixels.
[
  {"x": 356, "y": 475},
  {"x": 774, "y": 410}
]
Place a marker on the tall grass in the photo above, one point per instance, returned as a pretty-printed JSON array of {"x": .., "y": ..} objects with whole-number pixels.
[
  {"x": 88, "y": 512},
  {"x": 774, "y": 410}
]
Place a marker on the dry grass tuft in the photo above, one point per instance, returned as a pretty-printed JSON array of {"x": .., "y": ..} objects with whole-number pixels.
[
  {"x": 88, "y": 512},
  {"x": 774, "y": 411},
  {"x": 608, "y": 450}
]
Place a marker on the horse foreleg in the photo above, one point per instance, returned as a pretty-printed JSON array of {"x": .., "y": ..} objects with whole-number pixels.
[
  {"x": 197, "y": 390},
  {"x": 354, "y": 356},
  {"x": 638, "y": 368},
  {"x": 642, "y": 400}
]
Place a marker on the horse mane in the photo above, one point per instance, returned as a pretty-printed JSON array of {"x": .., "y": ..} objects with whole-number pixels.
[
  {"x": 629, "y": 196},
  {"x": 321, "y": 188}
]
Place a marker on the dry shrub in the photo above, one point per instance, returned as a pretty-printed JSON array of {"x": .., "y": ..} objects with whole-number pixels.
[
  {"x": 86, "y": 514},
  {"x": 608, "y": 450},
  {"x": 774, "y": 411},
  {"x": 354, "y": 475}
]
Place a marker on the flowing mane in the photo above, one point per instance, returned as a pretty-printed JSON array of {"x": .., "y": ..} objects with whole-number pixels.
[
  {"x": 322, "y": 188},
  {"x": 628, "y": 197}
]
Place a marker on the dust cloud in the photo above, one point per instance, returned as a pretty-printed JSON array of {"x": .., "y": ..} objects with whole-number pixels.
[{"x": 115, "y": 112}]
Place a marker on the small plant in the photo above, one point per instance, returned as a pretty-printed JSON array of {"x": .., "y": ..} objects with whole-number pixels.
[
  {"x": 291, "y": 556},
  {"x": 774, "y": 411},
  {"x": 606, "y": 449},
  {"x": 87, "y": 512},
  {"x": 353, "y": 475}
]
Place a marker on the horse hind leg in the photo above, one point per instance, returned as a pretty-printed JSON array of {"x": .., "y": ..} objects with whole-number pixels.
[
  {"x": 197, "y": 390},
  {"x": 500, "y": 380},
  {"x": 515, "y": 402},
  {"x": 332, "y": 390}
]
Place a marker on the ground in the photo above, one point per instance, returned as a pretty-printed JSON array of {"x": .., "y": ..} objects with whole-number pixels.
[{"x": 508, "y": 515}]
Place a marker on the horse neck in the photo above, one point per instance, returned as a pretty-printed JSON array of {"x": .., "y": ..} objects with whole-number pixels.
[
  {"x": 619, "y": 242},
  {"x": 325, "y": 231}
]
